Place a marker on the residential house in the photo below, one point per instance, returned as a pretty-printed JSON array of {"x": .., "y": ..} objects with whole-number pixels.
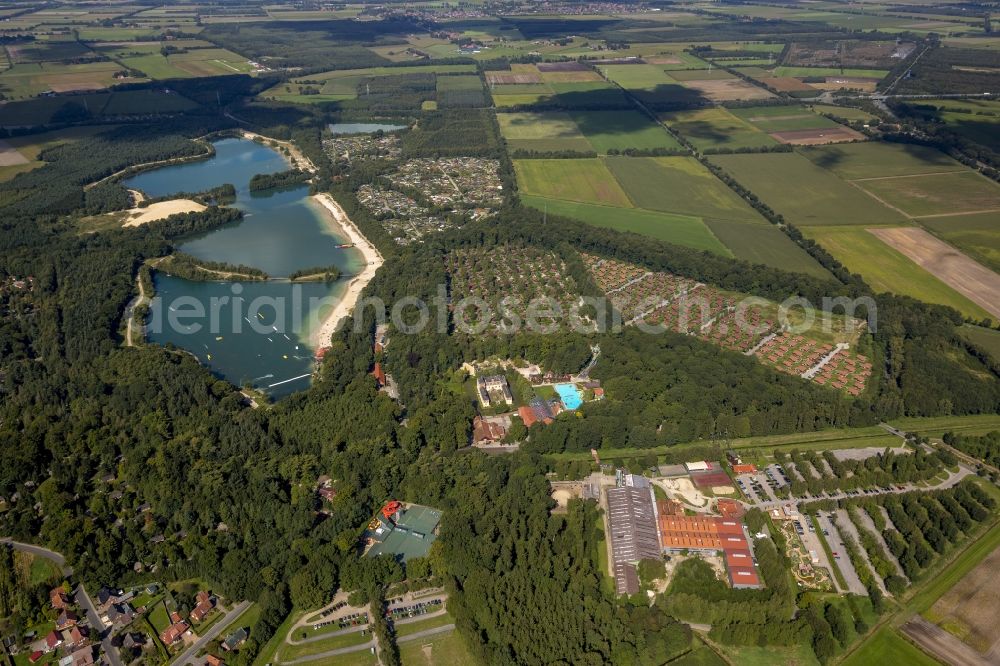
[
  {"x": 53, "y": 640},
  {"x": 59, "y": 599},
  {"x": 66, "y": 620},
  {"x": 83, "y": 657},
  {"x": 235, "y": 639},
  {"x": 487, "y": 431},
  {"x": 203, "y": 608},
  {"x": 493, "y": 384},
  {"x": 212, "y": 660},
  {"x": 75, "y": 637},
  {"x": 120, "y": 614},
  {"x": 133, "y": 640},
  {"x": 173, "y": 633}
]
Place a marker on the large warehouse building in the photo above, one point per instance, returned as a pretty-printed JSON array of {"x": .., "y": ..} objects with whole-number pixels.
[{"x": 634, "y": 537}]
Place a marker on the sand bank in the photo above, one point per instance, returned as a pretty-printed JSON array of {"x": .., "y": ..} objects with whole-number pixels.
[{"x": 159, "y": 211}]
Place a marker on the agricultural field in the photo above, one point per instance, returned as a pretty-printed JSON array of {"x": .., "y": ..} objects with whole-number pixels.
[
  {"x": 679, "y": 185},
  {"x": 542, "y": 132},
  {"x": 24, "y": 81},
  {"x": 716, "y": 128},
  {"x": 804, "y": 193},
  {"x": 346, "y": 84},
  {"x": 680, "y": 229},
  {"x": 724, "y": 89},
  {"x": 976, "y": 234},
  {"x": 586, "y": 180},
  {"x": 880, "y": 160},
  {"x": 621, "y": 130},
  {"x": 796, "y": 125},
  {"x": 968, "y": 610},
  {"x": 973, "y": 119},
  {"x": 765, "y": 244},
  {"x": 19, "y": 154},
  {"x": 845, "y": 112},
  {"x": 886, "y": 646},
  {"x": 973, "y": 280},
  {"x": 937, "y": 194},
  {"x": 886, "y": 269}
]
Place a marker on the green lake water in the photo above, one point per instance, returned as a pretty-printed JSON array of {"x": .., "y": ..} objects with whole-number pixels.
[{"x": 249, "y": 332}]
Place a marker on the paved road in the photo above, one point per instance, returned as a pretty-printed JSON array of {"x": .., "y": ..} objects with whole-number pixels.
[
  {"x": 94, "y": 620},
  {"x": 941, "y": 644},
  {"x": 50, "y": 555},
  {"x": 188, "y": 655}
]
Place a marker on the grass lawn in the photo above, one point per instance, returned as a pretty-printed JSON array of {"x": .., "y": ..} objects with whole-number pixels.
[
  {"x": 987, "y": 339},
  {"x": 440, "y": 650},
  {"x": 701, "y": 655},
  {"x": 637, "y": 76},
  {"x": 937, "y": 194},
  {"x": 586, "y": 180},
  {"x": 803, "y": 192},
  {"x": 936, "y": 426},
  {"x": 288, "y": 652},
  {"x": 886, "y": 269},
  {"x": 621, "y": 130},
  {"x": 846, "y": 112},
  {"x": 772, "y": 655},
  {"x": 266, "y": 655},
  {"x": 159, "y": 617},
  {"x": 420, "y": 625},
  {"x": 765, "y": 244},
  {"x": 887, "y": 647},
  {"x": 874, "y": 159},
  {"x": 716, "y": 128},
  {"x": 679, "y": 185},
  {"x": 680, "y": 229},
  {"x": 978, "y": 235}
]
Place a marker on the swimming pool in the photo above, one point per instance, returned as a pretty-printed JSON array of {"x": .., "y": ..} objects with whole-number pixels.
[{"x": 569, "y": 395}]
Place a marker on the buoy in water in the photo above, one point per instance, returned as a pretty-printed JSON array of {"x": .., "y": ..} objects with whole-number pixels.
[
  {"x": 209, "y": 357},
  {"x": 284, "y": 356},
  {"x": 218, "y": 338}
]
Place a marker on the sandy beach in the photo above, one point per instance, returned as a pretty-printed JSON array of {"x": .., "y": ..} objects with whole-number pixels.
[
  {"x": 373, "y": 259},
  {"x": 160, "y": 210}
]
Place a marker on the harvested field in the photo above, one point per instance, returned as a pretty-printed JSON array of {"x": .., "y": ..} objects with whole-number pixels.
[
  {"x": 664, "y": 60},
  {"x": 976, "y": 234},
  {"x": 941, "y": 644},
  {"x": 785, "y": 83},
  {"x": 970, "y": 608},
  {"x": 817, "y": 137},
  {"x": 728, "y": 89},
  {"x": 969, "y": 278},
  {"x": 849, "y": 82},
  {"x": 512, "y": 78},
  {"x": 876, "y": 159},
  {"x": 9, "y": 155},
  {"x": 716, "y": 128}
]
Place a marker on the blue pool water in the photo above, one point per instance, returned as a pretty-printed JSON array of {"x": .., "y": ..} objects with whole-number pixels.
[{"x": 569, "y": 395}]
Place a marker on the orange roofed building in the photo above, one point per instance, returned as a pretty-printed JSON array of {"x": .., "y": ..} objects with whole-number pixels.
[{"x": 710, "y": 534}]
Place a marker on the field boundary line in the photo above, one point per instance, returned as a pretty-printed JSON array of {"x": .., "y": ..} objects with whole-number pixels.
[
  {"x": 909, "y": 175},
  {"x": 880, "y": 200},
  {"x": 967, "y": 212}
]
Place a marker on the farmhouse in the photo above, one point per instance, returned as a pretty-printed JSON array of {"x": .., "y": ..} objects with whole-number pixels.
[{"x": 493, "y": 385}]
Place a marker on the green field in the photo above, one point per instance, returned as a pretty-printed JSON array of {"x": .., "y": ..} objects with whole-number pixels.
[
  {"x": 680, "y": 229},
  {"x": 679, "y": 185},
  {"x": 287, "y": 652},
  {"x": 586, "y": 180},
  {"x": 987, "y": 339},
  {"x": 765, "y": 244},
  {"x": 886, "y": 646},
  {"x": 844, "y": 112},
  {"x": 772, "y": 655},
  {"x": 938, "y": 194},
  {"x": 716, "y": 128},
  {"x": 873, "y": 159},
  {"x": 621, "y": 130},
  {"x": 886, "y": 269},
  {"x": 935, "y": 426},
  {"x": 634, "y": 77},
  {"x": 783, "y": 118},
  {"x": 804, "y": 193},
  {"x": 797, "y": 72},
  {"x": 440, "y": 650},
  {"x": 542, "y": 131}
]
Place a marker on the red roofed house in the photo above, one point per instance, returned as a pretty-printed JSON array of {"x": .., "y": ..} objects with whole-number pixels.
[
  {"x": 487, "y": 432},
  {"x": 173, "y": 633},
  {"x": 35, "y": 656},
  {"x": 527, "y": 415},
  {"x": 59, "y": 598},
  {"x": 53, "y": 640},
  {"x": 212, "y": 660},
  {"x": 75, "y": 636},
  {"x": 175, "y": 617},
  {"x": 203, "y": 608}
]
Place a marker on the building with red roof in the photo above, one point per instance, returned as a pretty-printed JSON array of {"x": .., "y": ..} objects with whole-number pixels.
[
  {"x": 711, "y": 534},
  {"x": 174, "y": 632}
]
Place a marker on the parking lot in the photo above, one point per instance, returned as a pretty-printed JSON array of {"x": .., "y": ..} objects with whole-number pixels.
[
  {"x": 760, "y": 487},
  {"x": 414, "y": 609},
  {"x": 841, "y": 560}
]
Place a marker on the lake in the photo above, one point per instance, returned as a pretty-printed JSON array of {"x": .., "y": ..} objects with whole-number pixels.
[{"x": 253, "y": 333}]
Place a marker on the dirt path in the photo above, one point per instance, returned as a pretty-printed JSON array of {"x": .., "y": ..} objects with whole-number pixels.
[{"x": 941, "y": 644}]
